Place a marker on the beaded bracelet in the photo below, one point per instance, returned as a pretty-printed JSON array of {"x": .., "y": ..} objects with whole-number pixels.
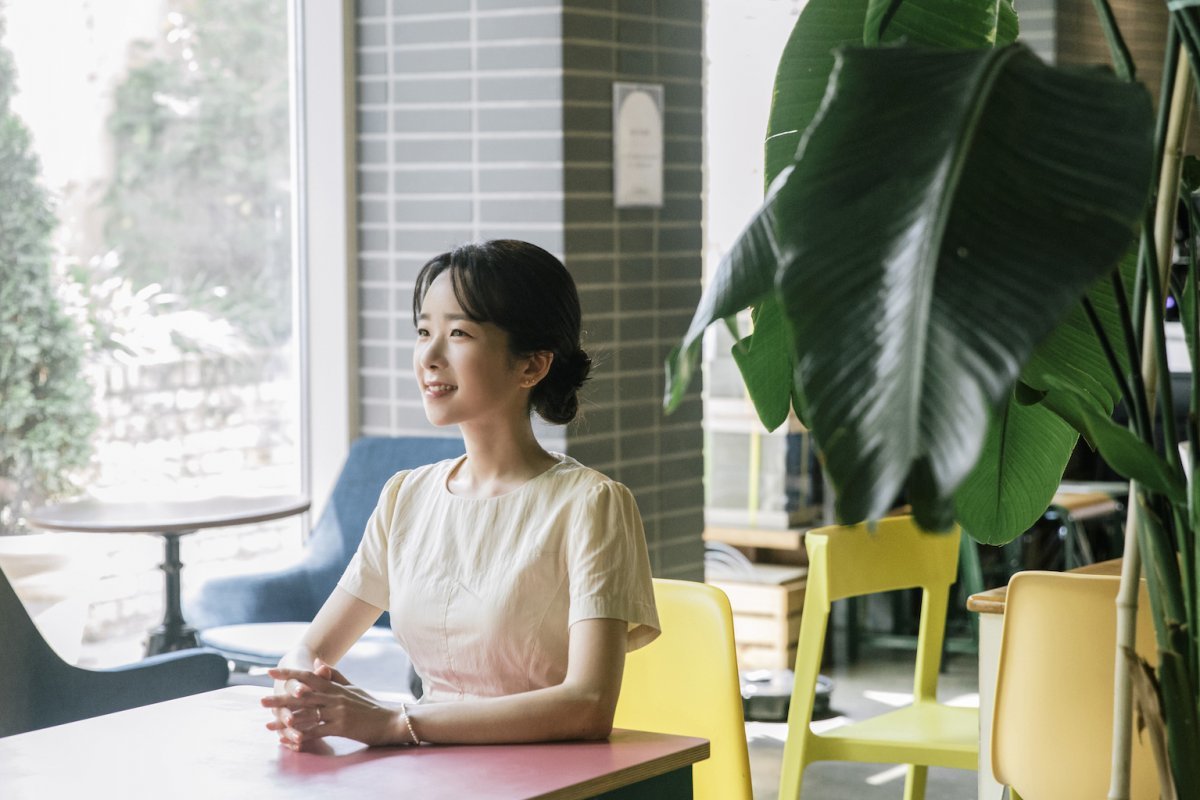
[{"x": 408, "y": 723}]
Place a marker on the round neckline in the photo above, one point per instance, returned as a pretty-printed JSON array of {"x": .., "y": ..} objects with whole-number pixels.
[{"x": 443, "y": 483}]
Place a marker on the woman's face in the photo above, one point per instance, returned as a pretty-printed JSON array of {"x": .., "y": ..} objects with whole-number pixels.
[{"x": 463, "y": 368}]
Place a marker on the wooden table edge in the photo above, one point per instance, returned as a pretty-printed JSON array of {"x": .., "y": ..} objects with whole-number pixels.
[
  {"x": 631, "y": 775},
  {"x": 993, "y": 601}
]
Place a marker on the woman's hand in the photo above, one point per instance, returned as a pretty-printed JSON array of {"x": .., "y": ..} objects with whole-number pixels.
[{"x": 323, "y": 703}]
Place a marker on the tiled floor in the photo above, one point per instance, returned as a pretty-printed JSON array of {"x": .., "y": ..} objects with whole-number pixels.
[{"x": 880, "y": 679}]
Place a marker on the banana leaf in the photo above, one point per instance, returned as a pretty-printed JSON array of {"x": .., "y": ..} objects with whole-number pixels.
[
  {"x": 800, "y": 84},
  {"x": 1027, "y": 445},
  {"x": 945, "y": 211}
]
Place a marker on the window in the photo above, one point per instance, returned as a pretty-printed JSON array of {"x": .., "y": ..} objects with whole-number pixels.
[{"x": 162, "y": 130}]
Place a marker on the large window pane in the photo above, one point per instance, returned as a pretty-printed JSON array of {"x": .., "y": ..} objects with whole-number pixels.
[{"x": 162, "y": 132}]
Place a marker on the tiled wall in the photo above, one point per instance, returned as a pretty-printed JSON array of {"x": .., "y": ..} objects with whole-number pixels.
[{"x": 488, "y": 118}]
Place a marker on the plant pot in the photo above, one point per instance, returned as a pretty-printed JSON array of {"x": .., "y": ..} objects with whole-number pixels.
[{"x": 53, "y": 584}]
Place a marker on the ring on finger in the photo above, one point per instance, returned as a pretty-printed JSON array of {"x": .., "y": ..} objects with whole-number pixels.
[{"x": 318, "y": 715}]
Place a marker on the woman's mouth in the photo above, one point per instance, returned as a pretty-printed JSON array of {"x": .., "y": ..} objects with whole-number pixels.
[{"x": 436, "y": 390}]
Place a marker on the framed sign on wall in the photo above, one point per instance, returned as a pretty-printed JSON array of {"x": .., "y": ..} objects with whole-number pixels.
[{"x": 638, "y": 145}]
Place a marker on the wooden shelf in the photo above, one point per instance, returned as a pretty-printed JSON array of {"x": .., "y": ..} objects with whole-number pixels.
[{"x": 780, "y": 539}]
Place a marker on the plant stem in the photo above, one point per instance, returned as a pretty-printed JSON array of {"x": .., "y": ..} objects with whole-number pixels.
[
  {"x": 1109, "y": 354},
  {"x": 1136, "y": 404},
  {"x": 1122, "y": 61},
  {"x": 1127, "y": 596}
]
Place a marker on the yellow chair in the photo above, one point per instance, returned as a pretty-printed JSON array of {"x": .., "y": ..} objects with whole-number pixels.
[
  {"x": 686, "y": 682},
  {"x": 1052, "y": 729},
  {"x": 850, "y": 561}
]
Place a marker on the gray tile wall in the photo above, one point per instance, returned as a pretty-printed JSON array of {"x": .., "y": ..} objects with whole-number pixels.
[
  {"x": 638, "y": 269},
  {"x": 487, "y": 118}
]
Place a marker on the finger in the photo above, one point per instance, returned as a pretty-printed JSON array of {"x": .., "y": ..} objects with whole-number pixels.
[
  {"x": 283, "y": 701},
  {"x": 308, "y": 679},
  {"x": 328, "y": 672}
]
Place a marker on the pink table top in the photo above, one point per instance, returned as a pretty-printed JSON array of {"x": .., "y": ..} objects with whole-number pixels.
[{"x": 214, "y": 745}]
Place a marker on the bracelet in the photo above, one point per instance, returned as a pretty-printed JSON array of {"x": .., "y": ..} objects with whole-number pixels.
[{"x": 408, "y": 723}]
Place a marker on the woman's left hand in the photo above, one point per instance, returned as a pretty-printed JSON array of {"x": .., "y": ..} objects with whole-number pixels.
[{"x": 323, "y": 703}]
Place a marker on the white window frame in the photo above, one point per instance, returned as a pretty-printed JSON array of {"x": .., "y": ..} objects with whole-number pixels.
[{"x": 323, "y": 139}]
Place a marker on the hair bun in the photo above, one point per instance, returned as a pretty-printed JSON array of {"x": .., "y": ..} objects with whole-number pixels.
[
  {"x": 578, "y": 366},
  {"x": 556, "y": 397}
]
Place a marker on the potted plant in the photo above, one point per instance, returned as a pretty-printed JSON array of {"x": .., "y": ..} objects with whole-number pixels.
[{"x": 958, "y": 268}]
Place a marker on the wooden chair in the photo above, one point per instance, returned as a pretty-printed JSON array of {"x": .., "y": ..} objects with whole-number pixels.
[
  {"x": 686, "y": 682},
  {"x": 851, "y": 561}
]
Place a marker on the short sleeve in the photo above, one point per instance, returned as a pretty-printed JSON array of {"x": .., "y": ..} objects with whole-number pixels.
[
  {"x": 608, "y": 566},
  {"x": 366, "y": 576}
]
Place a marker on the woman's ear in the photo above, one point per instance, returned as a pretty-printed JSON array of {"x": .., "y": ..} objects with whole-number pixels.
[{"x": 535, "y": 368}]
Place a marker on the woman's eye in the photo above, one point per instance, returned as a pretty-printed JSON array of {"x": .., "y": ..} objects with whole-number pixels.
[
  {"x": 422, "y": 332},
  {"x": 458, "y": 332}
]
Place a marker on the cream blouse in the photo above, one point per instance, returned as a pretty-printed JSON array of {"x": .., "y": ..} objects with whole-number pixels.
[{"x": 483, "y": 591}]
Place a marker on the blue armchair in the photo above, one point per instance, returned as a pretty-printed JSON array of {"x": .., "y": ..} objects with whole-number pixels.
[
  {"x": 39, "y": 689},
  {"x": 296, "y": 593}
]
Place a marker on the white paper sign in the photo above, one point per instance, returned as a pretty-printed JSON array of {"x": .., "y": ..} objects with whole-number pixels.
[{"x": 637, "y": 145}]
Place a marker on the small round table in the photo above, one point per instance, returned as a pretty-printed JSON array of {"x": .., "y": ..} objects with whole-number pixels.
[{"x": 170, "y": 520}]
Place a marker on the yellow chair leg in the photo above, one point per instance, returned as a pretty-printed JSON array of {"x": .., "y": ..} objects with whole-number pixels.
[{"x": 914, "y": 783}]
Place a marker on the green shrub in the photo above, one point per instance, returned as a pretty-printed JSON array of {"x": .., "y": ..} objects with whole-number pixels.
[{"x": 46, "y": 421}]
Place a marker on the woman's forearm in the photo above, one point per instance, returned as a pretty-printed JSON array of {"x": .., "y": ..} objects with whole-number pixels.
[{"x": 554, "y": 713}]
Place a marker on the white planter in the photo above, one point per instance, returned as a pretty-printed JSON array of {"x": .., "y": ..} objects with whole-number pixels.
[{"x": 54, "y": 584}]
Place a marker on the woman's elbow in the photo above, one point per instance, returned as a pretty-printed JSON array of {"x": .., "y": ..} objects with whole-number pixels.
[{"x": 595, "y": 718}]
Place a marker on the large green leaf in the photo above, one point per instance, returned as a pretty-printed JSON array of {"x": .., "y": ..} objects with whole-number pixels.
[
  {"x": 941, "y": 23},
  {"x": 825, "y": 25},
  {"x": 1121, "y": 449},
  {"x": 803, "y": 74},
  {"x": 800, "y": 84},
  {"x": 762, "y": 359},
  {"x": 1028, "y": 446},
  {"x": 946, "y": 210},
  {"x": 1024, "y": 455}
]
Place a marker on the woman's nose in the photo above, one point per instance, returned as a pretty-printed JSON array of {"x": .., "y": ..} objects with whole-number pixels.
[{"x": 430, "y": 356}]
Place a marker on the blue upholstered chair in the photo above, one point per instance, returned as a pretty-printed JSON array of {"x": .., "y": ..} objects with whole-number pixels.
[
  {"x": 39, "y": 689},
  {"x": 296, "y": 593}
]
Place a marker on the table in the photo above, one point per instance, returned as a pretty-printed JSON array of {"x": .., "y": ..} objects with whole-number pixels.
[
  {"x": 170, "y": 520},
  {"x": 990, "y": 607},
  {"x": 214, "y": 745}
]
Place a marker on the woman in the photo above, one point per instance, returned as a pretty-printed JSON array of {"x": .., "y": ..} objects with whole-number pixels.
[{"x": 517, "y": 579}]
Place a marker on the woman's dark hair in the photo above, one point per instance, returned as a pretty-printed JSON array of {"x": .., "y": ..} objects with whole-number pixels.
[{"x": 528, "y": 293}]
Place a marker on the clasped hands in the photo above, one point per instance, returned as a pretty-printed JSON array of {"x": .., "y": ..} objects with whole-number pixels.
[{"x": 311, "y": 705}]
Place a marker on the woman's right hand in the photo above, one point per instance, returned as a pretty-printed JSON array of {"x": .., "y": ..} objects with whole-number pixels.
[{"x": 298, "y": 658}]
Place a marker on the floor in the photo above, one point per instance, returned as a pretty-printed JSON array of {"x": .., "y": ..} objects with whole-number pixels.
[{"x": 879, "y": 680}]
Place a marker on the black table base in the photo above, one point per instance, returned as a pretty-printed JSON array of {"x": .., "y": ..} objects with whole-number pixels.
[{"x": 174, "y": 633}]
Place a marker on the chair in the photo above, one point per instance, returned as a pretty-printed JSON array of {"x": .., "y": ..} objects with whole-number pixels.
[
  {"x": 39, "y": 689},
  {"x": 685, "y": 682},
  {"x": 851, "y": 561},
  {"x": 295, "y": 593},
  {"x": 1052, "y": 730}
]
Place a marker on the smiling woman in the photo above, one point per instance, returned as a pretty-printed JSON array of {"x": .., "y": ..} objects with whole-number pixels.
[{"x": 516, "y": 578}]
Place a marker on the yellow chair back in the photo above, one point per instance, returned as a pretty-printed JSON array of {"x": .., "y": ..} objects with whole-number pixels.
[
  {"x": 686, "y": 682},
  {"x": 1052, "y": 730},
  {"x": 851, "y": 561}
]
